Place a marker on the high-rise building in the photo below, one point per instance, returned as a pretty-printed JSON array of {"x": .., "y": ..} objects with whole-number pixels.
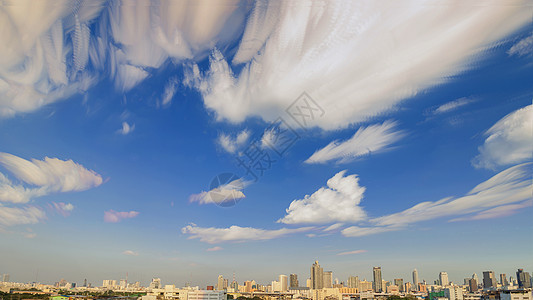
[
  {"x": 293, "y": 281},
  {"x": 317, "y": 274},
  {"x": 524, "y": 279},
  {"x": 353, "y": 282},
  {"x": 378, "y": 281},
  {"x": 415, "y": 280},
  {"x": 155, "y": 284},
  {"x": 454, "y": 292},
  {"x": 472, "y": 285},
  {"x": 489, "y": 280},
  {"x": 308, "y": 282},
  {"x": 365, "y": 286},
  {"x": 474, "y": 276},
  {"x": 328, "y": 279},
  {"x": 399, "y": 282},
  {"x": 5, "y": 278},
  {"x": 503, "y": 280},
  {"x": 220, "y": 283},
  {"x": 443, "y": 279},
  {"x": 283, "y": 284},
  {"x": 248, "y": 286},
  {"x": 85, "y": 282}
]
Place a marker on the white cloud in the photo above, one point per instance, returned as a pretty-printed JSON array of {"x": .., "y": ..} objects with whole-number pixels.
[
  {"x": 232, "y": 144},
  {"x": 62, "y": 208},
  {"x": 356, "y": 231},
  {"x": 48, "y": 49},
  {"x": 126, "y": 128},
  {"x": 509, "y": 187},
  {"x": 43, "y": 177},
  {"x": 334, "y": 227},
  {"x": 352, "y": 252},
  {"x": 224, "y": 194},
  {"x": 335, "y": 53},
  {"x": 338, "y": 202},
  {"x": 235, "y": 233},
  {"x": 216, "y": 248},
  {"x": 497, "y": 212},
  {"x": 366, "y": 141},
  {"x": 112, "y": 216},
  {"x": 509, "y": 141},
  {"x": 131, "y": 253},
  {"x": 170, "y": 90},
  {"x": 11, "y": 216},
  {"x": 523, "y": 47},
  {"x": 452, "y": 105}
]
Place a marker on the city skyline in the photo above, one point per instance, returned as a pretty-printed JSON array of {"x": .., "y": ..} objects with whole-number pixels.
[
  {"x": 182, "y": 139},
  {"x": 435, "y": 280}
]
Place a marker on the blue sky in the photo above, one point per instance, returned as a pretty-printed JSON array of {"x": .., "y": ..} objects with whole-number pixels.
[{"x": 115, "y": 119}]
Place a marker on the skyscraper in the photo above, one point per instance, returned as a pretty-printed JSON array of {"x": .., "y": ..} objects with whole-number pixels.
[
  {"x": 503, "y": 280},
  {"x": 353, "y": 282},
  {"x": 293, "y": 280},
  {"x": 328, "y": 279},
  {"x": 378, "y": 281},
  {"x": 5, "y": 278},
  {"x": 399, "y": 282},
  {"x": 283, "y": 283},
  {"x": 474, "y": 276},
  {"x": 489, "y": 280},
  {"x": 415, "y": 280},
  {"x": 443, "y": 279},
  {"x": 317, "y": 274},
  {"x": 524, "y": 279},
  {"x": 472, "y": 285},
  {"x": 220, "y": 283}
]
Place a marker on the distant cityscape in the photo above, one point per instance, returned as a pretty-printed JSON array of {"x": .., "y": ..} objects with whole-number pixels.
[{"x": 319, "y": 285}]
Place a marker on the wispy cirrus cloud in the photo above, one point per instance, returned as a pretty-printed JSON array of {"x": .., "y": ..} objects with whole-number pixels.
[
  {"x": 501, "y": 195},
  {"x": 232, "y": 143},
  {"x": 338, "y": 202},
  {"x": 452, "y": 105},
  {"x": 12, "y": 216},
  {"x": 62, "y": 208},
  {"x": 335, "y": 53},
  {"x": 58, "y": 53},
  {"x": 225, "y": 193},
  {"x": 508, "y": 141},
  {"x": 216, "y": 248},
  {"x": 352, "y": 252},
  {"x": 213, "y": 235},
  {"x": 112, "y": 216},
  {"x": 367, "y": 140},
  {"x": 130, "y": 253},
  {"x": 43, "y": 177},
  {"x": 126, "y": 128},
  {"x": 170, "y": 90},
  {"x": 523, "y": 47}
]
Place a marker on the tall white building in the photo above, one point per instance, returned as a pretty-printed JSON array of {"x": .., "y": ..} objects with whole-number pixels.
[
  {"x": 443, "y": 279},
  {"x": 454, "y": 292},
  {"x": 415, "y": 280},
  {"x": 283, "y": 283},
  {"x": 220, "y": 283}
]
